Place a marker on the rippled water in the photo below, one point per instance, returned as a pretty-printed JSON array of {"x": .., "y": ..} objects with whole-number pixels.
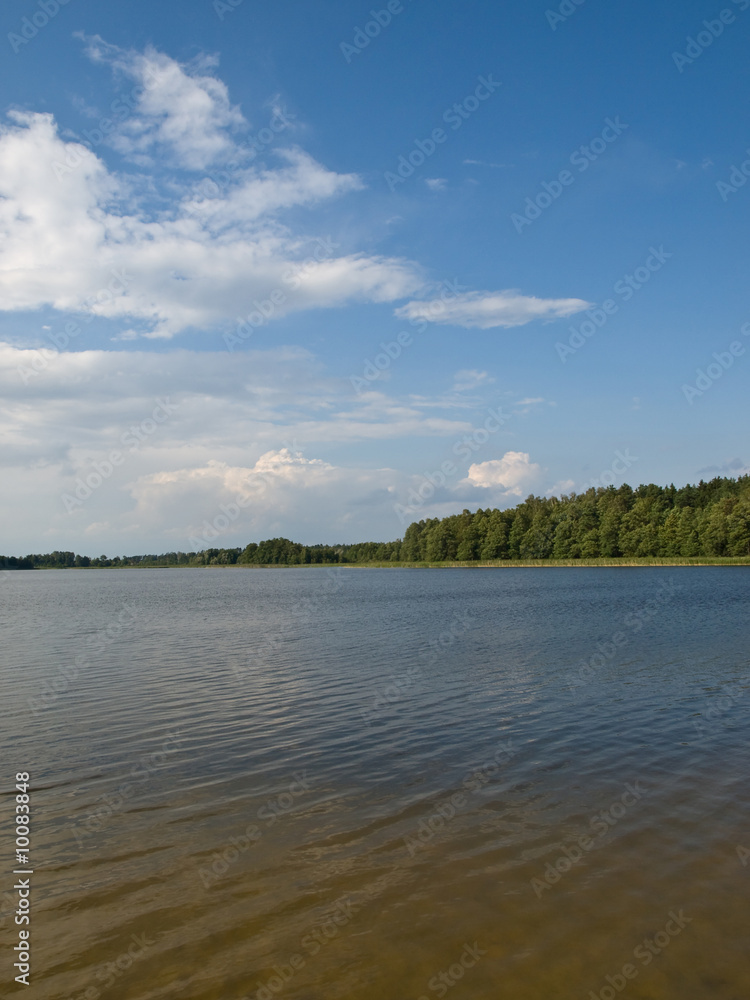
[{"x": 319, "y": 784}]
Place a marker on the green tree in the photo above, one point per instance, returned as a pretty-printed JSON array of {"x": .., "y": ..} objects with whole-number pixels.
[
  {"x": 495, "y": 545},
  {"x": 738, "y": 537},
  {"x": 538, "y": 539}
]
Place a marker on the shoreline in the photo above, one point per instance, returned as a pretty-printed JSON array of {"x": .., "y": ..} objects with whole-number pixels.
[{"x": 603, "y": 563}]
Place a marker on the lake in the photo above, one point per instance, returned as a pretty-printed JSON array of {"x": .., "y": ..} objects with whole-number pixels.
[{"x": 326, "y": 783}]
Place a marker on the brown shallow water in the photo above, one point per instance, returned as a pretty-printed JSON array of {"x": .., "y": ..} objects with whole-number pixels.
[{"x": 315, "y": 784}]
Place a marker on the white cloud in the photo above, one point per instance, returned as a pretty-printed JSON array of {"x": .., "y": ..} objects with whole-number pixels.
[
  {"x": 436, "y": 183},
  {"x": 76, "y": 241},
  {"x": 280, "y": 489},
  {"x": 253, "y": 402},
  {"x": 81, "y": 237},
  {"x": 221, "y": 428},
  {"x": 181, "y": 112},
  {"x": 486, "y": 310},
  {"x": 258, "y": 427},
  {"x": 513, "y": 475},
  {"x": 157, "y": 252},
  {"x": 271, "y": 426},
  {"x": 258, "y": 193},
  {"x": 562, "y": 487}
]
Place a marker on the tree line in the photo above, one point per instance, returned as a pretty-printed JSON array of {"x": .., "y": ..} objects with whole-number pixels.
[{"x": 711, "y": 519}]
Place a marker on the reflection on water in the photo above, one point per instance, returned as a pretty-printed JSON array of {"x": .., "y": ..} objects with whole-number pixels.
[{"x": 400, "y": 783}]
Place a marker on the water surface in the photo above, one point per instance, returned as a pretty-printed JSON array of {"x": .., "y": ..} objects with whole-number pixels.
[{"x": 314, "y": 783}]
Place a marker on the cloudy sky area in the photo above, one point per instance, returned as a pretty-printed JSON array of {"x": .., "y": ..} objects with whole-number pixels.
[{"x": 259, "y": 278}]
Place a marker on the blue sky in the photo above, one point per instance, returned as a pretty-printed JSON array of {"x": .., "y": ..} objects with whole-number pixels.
[{"x": 562, "y": 253}]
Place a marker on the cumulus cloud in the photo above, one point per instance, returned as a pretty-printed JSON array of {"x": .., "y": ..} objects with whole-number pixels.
[
  {"x": 182, "y": 112},
  {"x": 486, "y": 310},
  {"x": 76, "y": 236},
  {"x": 512, "y": 475},
  {"x": 563, "y": 487},
  {"x": 158, "y": 254},
  {"x": 192, "y": 433},
  {"x": 279, "y": 489},
  {"x": 189, "y": 432}
]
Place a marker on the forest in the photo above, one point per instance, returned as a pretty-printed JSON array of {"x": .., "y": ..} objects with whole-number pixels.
[{"x": 711, "y": 519}]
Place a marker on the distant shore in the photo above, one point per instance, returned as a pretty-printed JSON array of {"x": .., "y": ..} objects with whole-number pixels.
[
  {"x": 552, "y": 563},
  {"x": 475, "y": 564},
  {"x": 709, "y": 524}
]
